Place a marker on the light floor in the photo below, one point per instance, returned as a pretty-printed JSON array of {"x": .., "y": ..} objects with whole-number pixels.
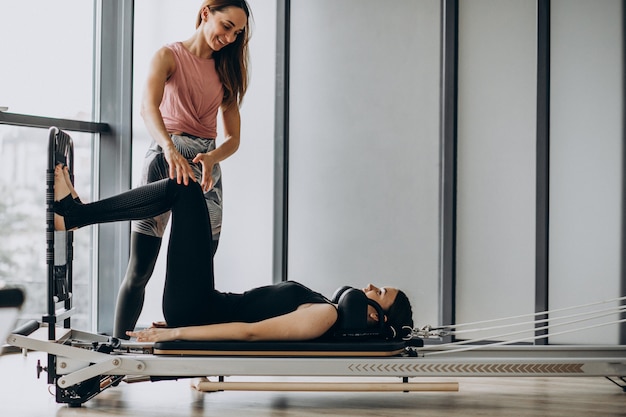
[{"x": 22, "y": 394}]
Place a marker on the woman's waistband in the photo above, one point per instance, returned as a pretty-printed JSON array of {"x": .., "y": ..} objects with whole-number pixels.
[{"x": 189, "y": 135}]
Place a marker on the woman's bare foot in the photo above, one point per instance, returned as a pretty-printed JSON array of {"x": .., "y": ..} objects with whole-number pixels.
[
  {"x": 68, "y": 181},
  {"x": 61, "y": 190}
]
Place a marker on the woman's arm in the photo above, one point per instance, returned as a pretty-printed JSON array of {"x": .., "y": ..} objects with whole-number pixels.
[
  {"x": 308, "y": 322},
  {"x": 161, "y": 68},
  {"x": 232, "y": 128}
]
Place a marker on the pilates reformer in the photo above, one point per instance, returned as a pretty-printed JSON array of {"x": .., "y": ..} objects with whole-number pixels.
[{"x": 82, "y": 364}]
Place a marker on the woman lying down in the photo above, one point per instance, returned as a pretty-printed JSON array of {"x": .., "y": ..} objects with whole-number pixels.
[{"x": 193, "y": 309}]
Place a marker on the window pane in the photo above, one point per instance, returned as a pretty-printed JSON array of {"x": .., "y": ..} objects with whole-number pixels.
[
  {"x": 23, "y": 223},
  {"x": 47, "y": 58}
]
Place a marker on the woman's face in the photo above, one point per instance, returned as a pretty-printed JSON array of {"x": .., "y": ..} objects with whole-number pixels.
[
  {"x": 385, "y": 296},
  {"x": 222, "y": 27}
]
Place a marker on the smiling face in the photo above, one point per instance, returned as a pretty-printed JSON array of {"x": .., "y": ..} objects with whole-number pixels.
[{"x": 221, "y": 27}]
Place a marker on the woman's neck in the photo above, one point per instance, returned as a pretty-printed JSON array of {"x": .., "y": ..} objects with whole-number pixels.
[{"x": 197, "y": 46}]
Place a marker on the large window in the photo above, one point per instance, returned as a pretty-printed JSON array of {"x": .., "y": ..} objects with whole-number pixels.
[
  {"x": 47, "y": 54},
  {"x": 47, "y": 58}
]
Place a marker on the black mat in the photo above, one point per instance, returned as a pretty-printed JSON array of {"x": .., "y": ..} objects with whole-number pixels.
[{"x": 352, "y": 347}]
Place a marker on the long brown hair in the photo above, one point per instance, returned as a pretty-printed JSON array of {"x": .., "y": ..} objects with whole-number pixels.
[{"x": 232, "y": 61}]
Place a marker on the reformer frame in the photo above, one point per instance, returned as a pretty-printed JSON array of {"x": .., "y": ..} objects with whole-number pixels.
[
  {"x": 82, "y": 364},
  {"x": 86, "y": 364},
  {"x": 59, "y": 246}
]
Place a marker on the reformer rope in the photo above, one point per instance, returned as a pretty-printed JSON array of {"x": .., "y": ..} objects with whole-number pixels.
[
  {"x": 549, "y": 319},
  {"x": 590, "y": 317},
  {"x": 456, "y": 326},
  {"x": 463, "y": 349},
  {"x": 440, "y": 331}
]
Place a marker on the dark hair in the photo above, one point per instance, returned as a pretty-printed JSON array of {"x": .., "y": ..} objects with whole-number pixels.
[
  {"x": 231, "y": 62},
  {"x": 400, "y": 315}
]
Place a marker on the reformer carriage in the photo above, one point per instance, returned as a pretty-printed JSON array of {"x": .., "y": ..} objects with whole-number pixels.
[{"x": 82, "y": 364}]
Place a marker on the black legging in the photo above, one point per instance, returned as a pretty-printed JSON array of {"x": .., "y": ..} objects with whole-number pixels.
[
  {"x": 189, "y": 296},
  {"x": 144, "y": 251}
]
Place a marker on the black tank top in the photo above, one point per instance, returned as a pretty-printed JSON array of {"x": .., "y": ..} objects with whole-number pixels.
[{"x": 271, "y": 301}]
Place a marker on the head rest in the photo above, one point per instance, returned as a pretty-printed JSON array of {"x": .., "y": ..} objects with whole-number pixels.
[
  {"x": 352, "y": 305},
  {"x": 338, "y": 292}
]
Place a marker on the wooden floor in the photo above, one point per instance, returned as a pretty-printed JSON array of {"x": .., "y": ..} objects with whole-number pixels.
[{"x": 22, "y": 394}]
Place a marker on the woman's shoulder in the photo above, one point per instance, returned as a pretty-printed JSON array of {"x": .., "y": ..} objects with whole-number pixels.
[
  {"x": 164, "y": 57},
  {"x": 165, "y": 52},
  {"x": 172, "y": 49}
]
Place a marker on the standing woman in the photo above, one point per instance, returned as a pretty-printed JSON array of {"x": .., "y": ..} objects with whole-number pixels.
[{"x": 188, "y": 82}]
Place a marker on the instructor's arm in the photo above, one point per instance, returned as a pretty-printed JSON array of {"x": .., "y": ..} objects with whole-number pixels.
[{"x": 161, "y": 67}]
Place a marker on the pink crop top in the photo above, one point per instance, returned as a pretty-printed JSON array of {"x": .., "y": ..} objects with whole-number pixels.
[{"x": 192, "y": 95}]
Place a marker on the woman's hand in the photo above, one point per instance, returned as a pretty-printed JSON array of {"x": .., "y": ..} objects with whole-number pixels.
[
  {"x": 154, "y": 334},
  {"x": 179, "y": 167},
  {"x": 207, "y": 162}
]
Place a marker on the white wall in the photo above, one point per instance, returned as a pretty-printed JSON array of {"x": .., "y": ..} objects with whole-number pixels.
[
  {"x": 364, "y": 147},
  {"x": 496, "y": 159},
  {"x": 244, "y": 257},
  {"x": 586, "y": 122}
]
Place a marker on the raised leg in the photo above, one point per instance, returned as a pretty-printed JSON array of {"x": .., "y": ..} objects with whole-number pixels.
[
  {"x": 189, "y": 296},
  {"x": 138, "y": 203}
]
